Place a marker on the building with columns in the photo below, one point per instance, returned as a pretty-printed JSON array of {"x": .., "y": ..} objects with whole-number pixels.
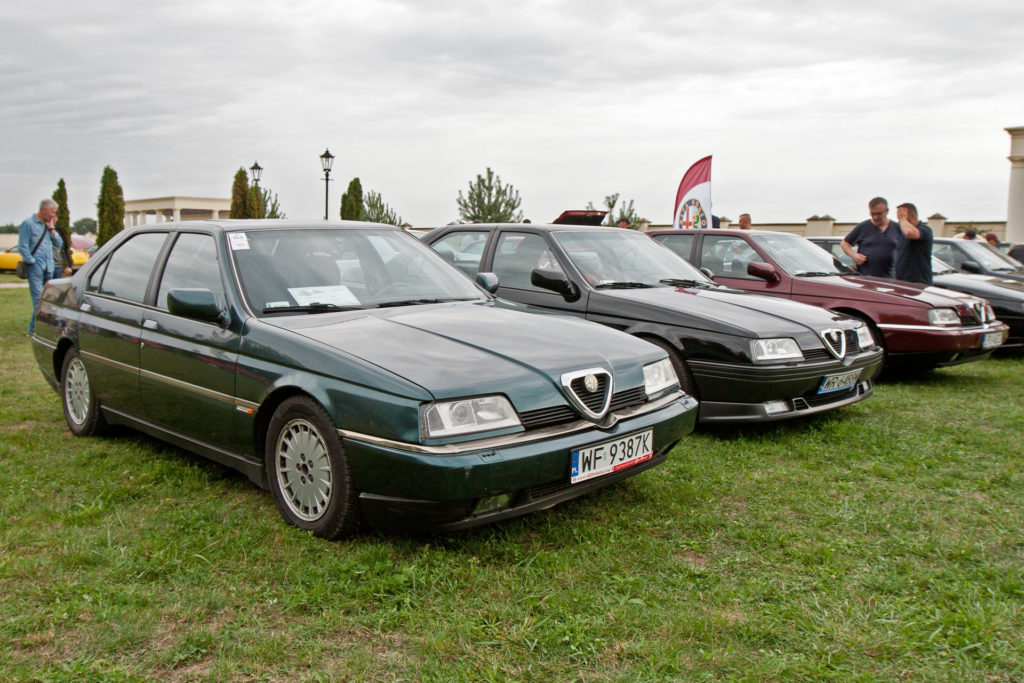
[
  {"x": 1015, "y": 207},
  {"x": 166, "y": 209}
]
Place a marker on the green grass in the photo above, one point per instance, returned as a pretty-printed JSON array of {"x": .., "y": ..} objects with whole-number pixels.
[{"x": 880, "y": 542}]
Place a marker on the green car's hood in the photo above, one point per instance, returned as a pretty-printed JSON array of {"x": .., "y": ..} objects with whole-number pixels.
[{"x": 462, "y": 349}]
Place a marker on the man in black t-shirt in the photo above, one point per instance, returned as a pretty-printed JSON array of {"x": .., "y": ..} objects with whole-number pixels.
[
  {"x": 875, "y": 240},
  {"x": 913, "y": 261}
]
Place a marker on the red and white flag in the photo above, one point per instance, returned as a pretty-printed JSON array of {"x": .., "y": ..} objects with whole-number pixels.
[{"x": 693, "y": 198}]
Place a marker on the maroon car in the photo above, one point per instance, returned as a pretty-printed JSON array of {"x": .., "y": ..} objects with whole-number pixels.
[{"x": 922, "y": 326}]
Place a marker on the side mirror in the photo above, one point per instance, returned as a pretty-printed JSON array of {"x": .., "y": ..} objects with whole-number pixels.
[
  {"x": 765, "y": 271},
  {"x": 707, "y": 272},
  {"x": 489, "y": 281},
  {"x": 556, "y": 281},
  {"x": 197, "y": 304},
  {"x": 970, "y": 267}
]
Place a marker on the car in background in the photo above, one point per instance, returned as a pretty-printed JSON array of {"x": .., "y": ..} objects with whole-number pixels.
[
  {"x": 977, "y": 256},
  {"x": 11, "y": 257},
  {"x": 922, "y": 327},
  {"x": 350, "y": 370},
  {"x": 746, "y": 358},
  {"x": 1006, "y": 296}
]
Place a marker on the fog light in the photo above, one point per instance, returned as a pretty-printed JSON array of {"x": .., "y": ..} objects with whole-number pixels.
[
  {"x": 493, "y": 503},
  {"x": 775, "y": 407}
]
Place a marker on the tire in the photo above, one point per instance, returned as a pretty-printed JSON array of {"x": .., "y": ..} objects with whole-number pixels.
[
  {"x": 308, "y": 472},
  {"x": 686, "y": 381},
  {"x": 81, "y": 408}
]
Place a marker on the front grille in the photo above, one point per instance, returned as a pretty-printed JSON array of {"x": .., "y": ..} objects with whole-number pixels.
[
  {"x": 542, "y": 417},
  {"x": 592, "y": 400},
  {"x": 852, "y": 347}
]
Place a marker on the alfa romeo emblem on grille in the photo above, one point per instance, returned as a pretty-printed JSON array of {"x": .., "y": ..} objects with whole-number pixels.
[
  {"x": 590, "y": 382},
  {"x": 835, "y": 342}
]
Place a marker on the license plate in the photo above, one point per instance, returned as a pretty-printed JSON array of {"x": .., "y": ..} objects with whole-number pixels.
[
  {"x": 991, "y": 339},
  {"x": 838, "y": 382},
  {"x": 611, "y": 456}
]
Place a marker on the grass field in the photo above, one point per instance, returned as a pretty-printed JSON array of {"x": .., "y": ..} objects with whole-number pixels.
[{"x": 883, "y": 542}]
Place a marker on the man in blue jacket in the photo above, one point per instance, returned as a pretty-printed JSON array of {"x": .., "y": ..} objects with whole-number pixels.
[{"x": 37, "y": 239}]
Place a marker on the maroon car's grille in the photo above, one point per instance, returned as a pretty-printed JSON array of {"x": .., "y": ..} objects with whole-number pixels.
[{"x": 543, "y": 417}]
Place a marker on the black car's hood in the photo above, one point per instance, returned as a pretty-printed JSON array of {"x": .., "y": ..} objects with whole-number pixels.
[
  {"x": 436, "y": 345},
  {"x": 986, "y": 286},
  {"x": 722, "y": 310}
]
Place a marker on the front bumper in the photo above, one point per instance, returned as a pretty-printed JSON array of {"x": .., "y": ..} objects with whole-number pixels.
[
  {"x": 407, "y": 490},
  {"x": 919, "y": 345},
  {"x": 747, "y": 393}
]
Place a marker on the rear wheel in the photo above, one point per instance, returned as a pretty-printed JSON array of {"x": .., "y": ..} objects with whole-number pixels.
[
  {"x": 81, "y": 409},
  {"x": 686, "y": 380},
  {"x": 308, "y": 471}
]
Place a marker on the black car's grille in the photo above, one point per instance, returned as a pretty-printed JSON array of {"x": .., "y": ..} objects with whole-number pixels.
[
  {"x": 592, "y": 399},
  {"x": 852, "y": 346},
  {"x": 542, "y": 417}
]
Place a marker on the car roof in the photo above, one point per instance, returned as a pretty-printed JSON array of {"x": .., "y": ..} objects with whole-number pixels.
[
  {"x": 263, "y": 224},
  {"x": 540, "y": 227},
  {"x": 719, "y": 231}
]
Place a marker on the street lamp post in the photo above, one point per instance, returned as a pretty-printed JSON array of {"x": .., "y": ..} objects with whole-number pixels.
[
  {"x": 326, "y": 159},
  {"x": 256, "y": 170}
]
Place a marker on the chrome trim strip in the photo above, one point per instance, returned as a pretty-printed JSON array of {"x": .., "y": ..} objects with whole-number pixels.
[
  {"x": 517, "y": 439},
  {"x": 939, "y": 328},
  {"x": 188, "y": 386}
]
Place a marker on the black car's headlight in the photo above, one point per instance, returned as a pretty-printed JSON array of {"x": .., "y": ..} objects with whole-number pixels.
[
  {"x": 659, "y": 377},
  {"x": 466, "y": 416},
  {"x": 864, "y": 337},
  {"x": 943, "y": 316},
  {"x": 775, "y": 349}
]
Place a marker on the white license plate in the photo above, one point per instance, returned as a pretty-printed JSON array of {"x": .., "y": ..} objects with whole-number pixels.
[
  {"x": 611, "y": 456},
  {"x": 838, "y": 382},
  {"x": 991, "y": 339}
]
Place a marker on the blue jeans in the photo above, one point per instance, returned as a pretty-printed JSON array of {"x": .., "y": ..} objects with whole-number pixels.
[{"x": 37, "y": 277}]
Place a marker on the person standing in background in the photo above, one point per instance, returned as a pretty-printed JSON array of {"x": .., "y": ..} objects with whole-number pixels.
[
  {"x": 913, "y": 259},
  {"x": 37, "y": 240}
]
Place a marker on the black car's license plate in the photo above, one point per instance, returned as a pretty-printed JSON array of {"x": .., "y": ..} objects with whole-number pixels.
[
  {"x": 611, "y": 456},
  {"x": 838, "y": 382}
]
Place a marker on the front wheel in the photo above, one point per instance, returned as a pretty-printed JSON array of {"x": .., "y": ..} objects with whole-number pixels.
[
  {"x": 81, "y": 409},
  {"x": 308, "y": 472}
]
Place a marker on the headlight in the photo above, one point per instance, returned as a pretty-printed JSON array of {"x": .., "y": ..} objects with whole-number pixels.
[
  {"x": 774, "y": 349},
  {"x": 990, "y": 313},
  {"x": 466, "y": 416},
  {"x": 864, "y": 337},
  {"x": 659, "y": 376},
  {"x": 943, "y": 316}
]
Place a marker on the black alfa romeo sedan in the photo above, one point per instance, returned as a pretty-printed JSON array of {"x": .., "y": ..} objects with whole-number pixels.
[{"x": 746, "y": 357}]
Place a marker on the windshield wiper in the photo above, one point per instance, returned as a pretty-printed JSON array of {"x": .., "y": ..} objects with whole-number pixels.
[
  {"x": 622, "y": 285},
  {"x": 416, "y": 302},
  {"x": 678, "y": 282},
  {"x": 315, "y": 307}
]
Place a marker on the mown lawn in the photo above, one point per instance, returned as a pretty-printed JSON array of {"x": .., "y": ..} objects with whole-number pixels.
[{"x": 881, "y": 542}]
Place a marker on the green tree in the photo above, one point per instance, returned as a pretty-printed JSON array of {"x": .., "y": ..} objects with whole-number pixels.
[
  {"x": 271, "y": 207},
  {"x": 490, "y": 201},
  {"x": 60, "y": 195},
  {"x": 84, "y": 225},
  {"x": 8, "y": 228},
  {"x": 109, "y": 206},
  {"x": 240, "y": 195},
  {"x": 626, "y": 211},
  {"x": 352, "y": 202},
  {"x": 374, "y": 209},
  {"x": 254, "y": 203}
]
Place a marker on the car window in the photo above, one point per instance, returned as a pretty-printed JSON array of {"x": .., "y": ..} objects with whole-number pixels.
[
  {"x": 947, "y": 253},
  {"x": 462, "y": 249},
  {"x": 727, "y": 256},
  {"x": 517, "y": 255},
  {"x": 192, "y": 263},
  {"x": 128, "y": 269},
  {"x": 681, "y": 244}
]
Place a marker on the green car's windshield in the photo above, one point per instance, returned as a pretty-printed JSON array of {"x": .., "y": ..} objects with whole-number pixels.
[
  {"x": 614, "y": 258},
  {"x": 320, "y": 270},
  {"x": 799, "y": 256}
]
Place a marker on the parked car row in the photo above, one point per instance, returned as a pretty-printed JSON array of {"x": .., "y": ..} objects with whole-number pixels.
[{"x": 478, "y": 373}]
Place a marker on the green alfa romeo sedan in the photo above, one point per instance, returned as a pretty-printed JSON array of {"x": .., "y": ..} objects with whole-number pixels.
[{"x": 352, "y": 371}]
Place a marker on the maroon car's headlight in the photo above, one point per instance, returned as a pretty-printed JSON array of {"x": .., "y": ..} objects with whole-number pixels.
[{"x": 943, "y": 316}]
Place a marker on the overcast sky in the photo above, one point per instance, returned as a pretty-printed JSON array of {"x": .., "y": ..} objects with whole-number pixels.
[{"x": 807, "y": 107}]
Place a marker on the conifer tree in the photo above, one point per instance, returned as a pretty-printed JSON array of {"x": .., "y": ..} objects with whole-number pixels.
[
  {"x": 377, "y": 211},
  {"x": 490, "y": 201},
  {"x": 109, "y": 206},
  {"x": 60, "y": 195},
  {"x": 240, "y": 195},
  {"x": 352, "y": 202}
]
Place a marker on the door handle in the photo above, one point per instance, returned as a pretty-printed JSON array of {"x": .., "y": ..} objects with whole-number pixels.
[{"x": 150, "y": 325}]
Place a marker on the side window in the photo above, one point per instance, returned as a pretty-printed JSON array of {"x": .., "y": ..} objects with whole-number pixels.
[
  {"x": 727, "y": 256},
  {"x": 517, "y": 255},
  {"x": 192, "y": 263},
  {"x": 945, "y": 252},
  {"x": 462, "y": 249},
  {"x": 682, "y": 245},
  {"x": 128, "y": 270}
]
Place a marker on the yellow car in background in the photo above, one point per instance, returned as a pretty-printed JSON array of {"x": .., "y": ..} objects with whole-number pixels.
[{"x": 80, "y": 253}]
